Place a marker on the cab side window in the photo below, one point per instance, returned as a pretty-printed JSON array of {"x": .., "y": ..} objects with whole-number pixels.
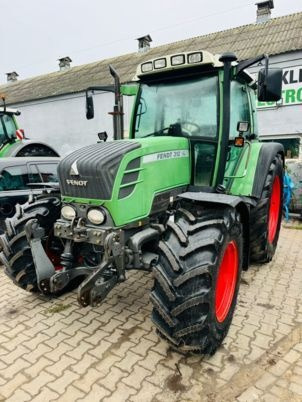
[
  {"x": 9, "y": 125},
  {"x": 2, "y": 133},
  {"x": 240, "y": 108}
]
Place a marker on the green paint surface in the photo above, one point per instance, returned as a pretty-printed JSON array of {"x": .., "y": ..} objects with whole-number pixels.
[
  {"x": 154, "y": 177},
  {"x": 244, "y": 185},
  {"x": 94, "y": 202},
  {"x": 6, "y": 149},
  {"x": 129, "y": 89}
]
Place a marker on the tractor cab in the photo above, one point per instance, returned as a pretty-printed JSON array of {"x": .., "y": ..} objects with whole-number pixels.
[
  {"x": 8, "y": 127},
  {"x": 13, "y": 141},
  {"x": 209, "y": 100},
  {"x": 183, "y": 106}
]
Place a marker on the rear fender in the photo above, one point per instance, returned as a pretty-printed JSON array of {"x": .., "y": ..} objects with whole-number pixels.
[
  {"x": 267, "y": 154},
  {"x": 20, "y": 145},
  {"x": 253, "y": 168}
]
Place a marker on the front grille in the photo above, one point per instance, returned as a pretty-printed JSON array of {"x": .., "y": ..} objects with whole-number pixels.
[{"x": 96, "y": 165}]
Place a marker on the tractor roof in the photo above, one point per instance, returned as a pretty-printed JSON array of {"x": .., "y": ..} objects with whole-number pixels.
[{"x": 181, "y": 60}]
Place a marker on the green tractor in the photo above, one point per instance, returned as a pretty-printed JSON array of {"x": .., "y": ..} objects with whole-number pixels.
[
  {"x": 12, "y": 138},
  {"x": 192, "y": 196}
]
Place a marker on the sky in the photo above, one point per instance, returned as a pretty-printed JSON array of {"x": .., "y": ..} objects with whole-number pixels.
[{"x": 35, "y": 33}]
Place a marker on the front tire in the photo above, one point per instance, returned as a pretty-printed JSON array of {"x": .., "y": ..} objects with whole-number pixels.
[
  {"x": 16, "y": 253},
  {"x": 196, "y": 278},
  {"x": 266, "y": 216}
]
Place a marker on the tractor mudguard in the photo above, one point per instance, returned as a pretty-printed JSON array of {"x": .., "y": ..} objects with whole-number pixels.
[
  {"x": 240, "y": 203},
  {"x": 19, "y": 145},
  {"x": 215, "y": 198},
  {"x": 267, "y": 154}
]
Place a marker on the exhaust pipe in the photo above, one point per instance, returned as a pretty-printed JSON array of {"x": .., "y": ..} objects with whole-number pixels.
[{"x": 118, "y": 110}]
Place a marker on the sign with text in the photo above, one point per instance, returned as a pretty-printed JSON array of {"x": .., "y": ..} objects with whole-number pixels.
[{"x": 291, "y": 89}]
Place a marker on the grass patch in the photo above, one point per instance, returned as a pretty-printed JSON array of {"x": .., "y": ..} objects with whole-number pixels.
[
  {"x": 297, "y": 226},
  {"x": 57, "y": 308}
]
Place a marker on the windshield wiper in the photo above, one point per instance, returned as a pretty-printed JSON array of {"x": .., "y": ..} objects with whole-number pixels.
[{"x": 159, "y": 132}]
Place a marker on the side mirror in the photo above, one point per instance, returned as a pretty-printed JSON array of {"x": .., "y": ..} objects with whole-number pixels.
[
  {"x": 103, "y": 136},
  {"x": 269, "y": 85},
  {"x": 89, "y": 107}
]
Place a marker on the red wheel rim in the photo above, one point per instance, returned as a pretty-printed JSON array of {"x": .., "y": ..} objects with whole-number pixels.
[
  {"x": 226, "y": 281},
  {"x": 274, "y": 209}
]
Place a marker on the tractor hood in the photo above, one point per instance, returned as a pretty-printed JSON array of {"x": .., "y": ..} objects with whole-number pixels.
[
  {"x": 131, "y": 179},
  {"x": 90, "y": 172}
]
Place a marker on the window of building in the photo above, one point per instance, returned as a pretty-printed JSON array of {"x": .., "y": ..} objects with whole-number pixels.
[{"x": 291, "y": 146}]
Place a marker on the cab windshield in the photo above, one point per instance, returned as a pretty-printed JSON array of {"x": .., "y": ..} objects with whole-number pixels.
[
  {"x": 7, "y": 128},
  {"x": 185, "y": 107}
]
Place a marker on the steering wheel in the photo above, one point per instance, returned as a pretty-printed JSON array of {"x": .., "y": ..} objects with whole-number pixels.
[{"x": 189, "y": 128}]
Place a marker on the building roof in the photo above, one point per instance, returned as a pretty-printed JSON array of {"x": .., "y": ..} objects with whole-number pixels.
[{"x": 275, "y": 36}]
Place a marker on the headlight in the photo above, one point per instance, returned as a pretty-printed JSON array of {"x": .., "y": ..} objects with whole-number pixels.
[
  {"x": 96, "y": 216},
  {"x": 68, "y": 212}
]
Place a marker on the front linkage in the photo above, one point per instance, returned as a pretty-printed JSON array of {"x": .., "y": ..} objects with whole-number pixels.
[{"x": 121, "y": 251}]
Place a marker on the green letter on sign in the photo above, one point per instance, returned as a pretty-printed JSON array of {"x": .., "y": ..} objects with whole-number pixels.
[
  {"x": 299, "y": 94},
  {"x": 290, "y": 96}
]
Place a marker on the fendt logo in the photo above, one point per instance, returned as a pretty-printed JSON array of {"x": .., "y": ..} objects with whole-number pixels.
[
  {"x": 80, "y": 183},
  {"x": 74, "y": 169},
  {"x": 74, "y": 172}
]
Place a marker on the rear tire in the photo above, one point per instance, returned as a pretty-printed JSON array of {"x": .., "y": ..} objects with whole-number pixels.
[
  {"x": 266, "y": 216},
  {"x": 193, "y": 295},
  {"x": 16, "y": 253}
]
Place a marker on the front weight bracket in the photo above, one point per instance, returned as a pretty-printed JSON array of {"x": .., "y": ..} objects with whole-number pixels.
[
  {"x": 43, "y": 265},
  {"x": 95, "y": 288},
  {"x": 62, "y": 278}
]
